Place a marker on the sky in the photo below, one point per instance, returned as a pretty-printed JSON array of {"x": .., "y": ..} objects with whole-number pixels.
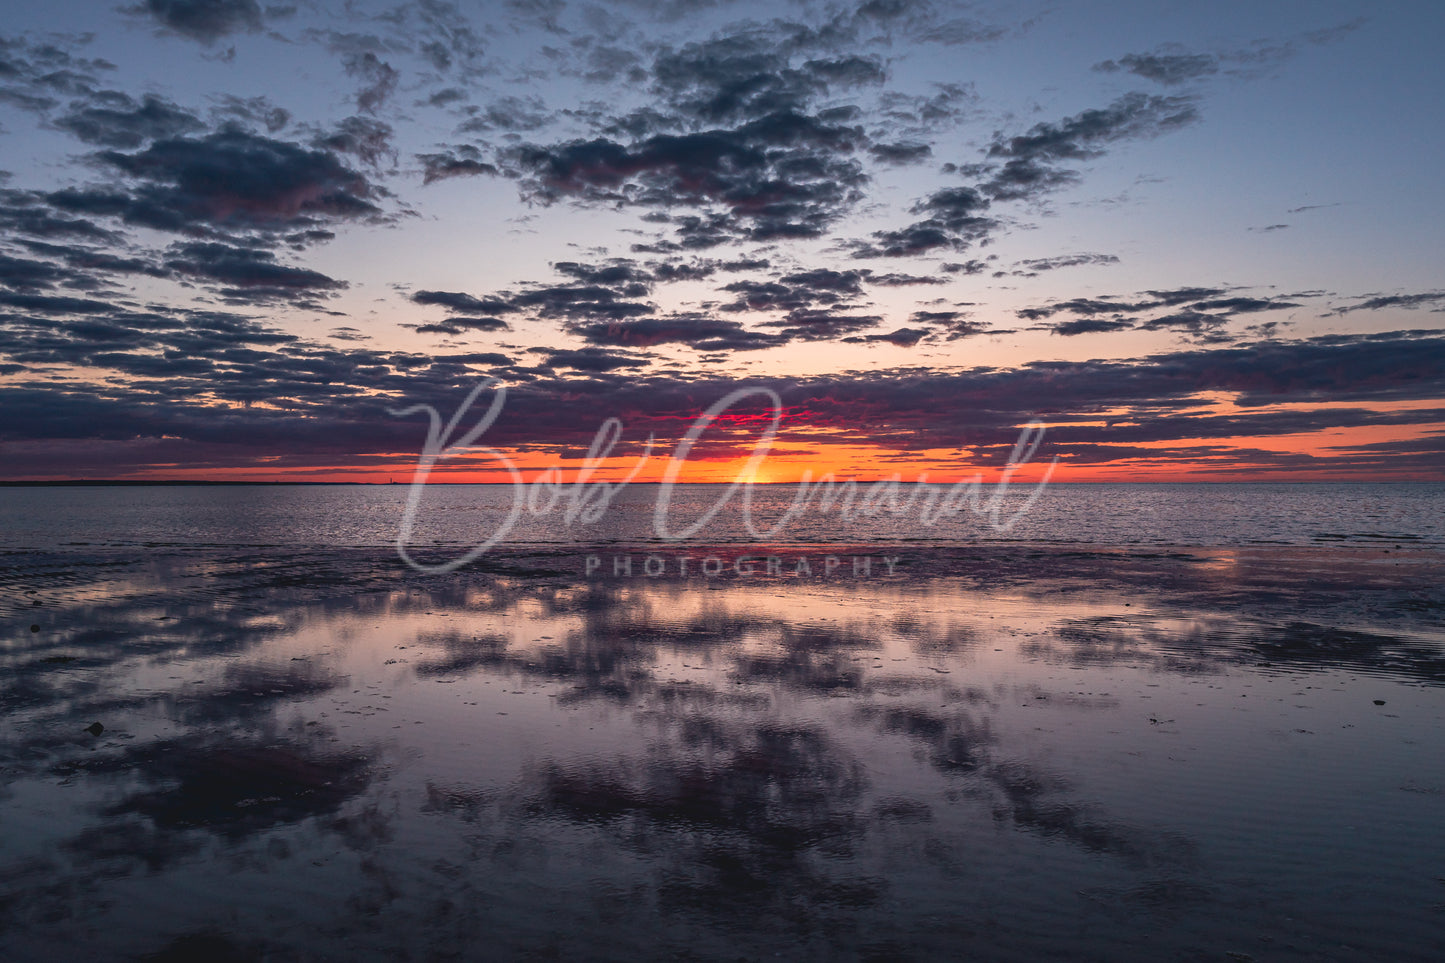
[{"x": 1195, "y": 242}]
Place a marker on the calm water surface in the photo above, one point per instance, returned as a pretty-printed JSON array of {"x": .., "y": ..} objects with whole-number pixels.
[
  {"x": 999, "y": 752},
  {"x": 1224, "y": 514}
]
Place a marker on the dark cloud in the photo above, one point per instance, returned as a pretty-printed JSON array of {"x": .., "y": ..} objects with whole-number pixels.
[
  {"x": 509, "y": 114},
  {"x": 1030, "y": 161},
  {"x": 24, "y": 274},
  {"x": 1408, "y": 301},
  {"x": 954, "y": 207},
  {"x": 363, "y": 137},
  {"x": 112, "y": 119},
  {"x": 810, "y": 324},
  {"x": 1244, "y": 305},
  {"x": 1172, "y": 64},
  {"x": 935, "y": 317},
  {"x": 897, "y": 280},
  {"x": 88, "y": 265},
  {"x": 954, "y": 221},
  {"x": 252, "y": 111},
  {"x": 735, "y": 140},
  {"x": 846, "y": 71},
  {"x": 457, "y": 301},
  {"x": 204, "y": 20},
  {"x": 824, "y": 281},
  {"x": 617, "y": 272},
  {"x": 802, "y": 289},
  {"x": 447, "y": 96},
  {"x": 700, "y": 269},
  {"x": 900, "y": 153},
  {"x": 25, "y": 100},
  {"x": 1090, "y": 326},
  {"x": 445, "y": 36},
  {"x": 1204, "y": 316},
  {"x": 1184, "y": 295},
  {"x": 749, "y": 74},
  {"x": 379, "y": 78},
  {"x": 922, "y": 114},
  {"x": 604, "y": 294},
  {"x": 782, "y": 175},
  {"x": 225, "y": 182},
  {"x": 33, "y": 75},
  {"x": 1165, "y": 68},
  {"x": 1085, "y": 133},
  {"x": 456, "y": 325},
  {"x": 918, "y": 21},
  {"x": 600, "y": 302},
  {"x": 479, "y": 324},
  {"x": 248, "y": 274},
  {"x": 1037, "y": 265},
  {"x": 597, "y": 61},
  {"x": 702, "y": 333},
  {"x": 462, "y": 161},
  {"x": 1202, "y": 298},
  {"x": 53, "y": 304},
  {"x": 902, "y": 337},
  {"x": 589, "y": 359},
  {"x": 583, "y": 301},
  {"x": 952, "y": 324}
]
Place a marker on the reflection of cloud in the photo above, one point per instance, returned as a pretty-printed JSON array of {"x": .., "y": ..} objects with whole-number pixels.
[
  {"x": 1032, "y": 802},
  {"x": 741, "y": 813},
  {"x": 824, "y": 761},
  {"x": 1214, "y": 644},
  {"x": 957, "y": 742},
  {"x": 960, "y": 745},
  {"x": 616, "y": 656},
  {"x": 463, "y": 655},
  {"x": 236, "y": 788},
  {"x": 113, "y": 846},
  {"x": 223, "y": 771}
]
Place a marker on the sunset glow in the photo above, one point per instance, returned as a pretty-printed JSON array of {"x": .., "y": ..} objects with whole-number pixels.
[{"x": 236, "y": 240}]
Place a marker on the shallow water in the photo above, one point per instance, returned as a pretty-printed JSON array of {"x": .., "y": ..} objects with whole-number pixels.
[{"x": 991, "y": 753}]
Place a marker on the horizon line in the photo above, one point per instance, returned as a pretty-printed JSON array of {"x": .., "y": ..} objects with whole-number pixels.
[{"x": 210, "y": 483}]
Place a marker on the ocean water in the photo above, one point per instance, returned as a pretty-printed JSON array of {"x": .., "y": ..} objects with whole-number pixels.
[
  {"x": 465, "y": 515},
  {"x": 1144, "y": 723}
]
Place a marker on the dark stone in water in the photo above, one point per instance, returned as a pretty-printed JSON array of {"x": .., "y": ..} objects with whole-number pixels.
[
  {"x": 1379, "y": 702},
  {"x": 34, "y": 628},
  {"x": 95, "y": 728}
]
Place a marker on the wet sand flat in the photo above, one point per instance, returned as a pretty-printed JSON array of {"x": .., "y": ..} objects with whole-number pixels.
[{"x": 1000, "y": 752}]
